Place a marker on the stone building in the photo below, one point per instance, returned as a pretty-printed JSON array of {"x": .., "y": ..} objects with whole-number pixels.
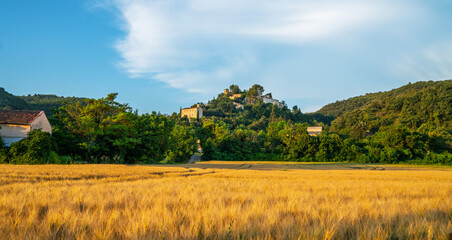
[
  {"x": 267, "y": 98},
  {"x": 192, "y": 112},
  {"x": 235, "y": 96}
]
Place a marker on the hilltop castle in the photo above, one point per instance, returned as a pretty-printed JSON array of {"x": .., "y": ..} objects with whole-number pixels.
[{"x": 267, "y": 98}]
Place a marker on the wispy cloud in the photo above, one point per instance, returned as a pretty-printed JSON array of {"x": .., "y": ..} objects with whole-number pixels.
[
  {"x": 198, "y": 45},
  {"x": 207, "y": 81},
  {"x": 431, "y": 63}
]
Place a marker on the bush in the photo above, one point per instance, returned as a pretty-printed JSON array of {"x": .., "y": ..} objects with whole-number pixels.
[
  {"x": 438, "y": 158},
  {"x": 34, "y": 149},
  {"x": 4, "y": 158}
]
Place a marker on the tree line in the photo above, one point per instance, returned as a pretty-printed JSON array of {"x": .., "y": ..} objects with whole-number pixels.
[
  {"x": 289, "y": 141},
  {"x": 409, "y": 124},
  {"x": 105, "y": 131},
  {"x": 43, "y": 102}
]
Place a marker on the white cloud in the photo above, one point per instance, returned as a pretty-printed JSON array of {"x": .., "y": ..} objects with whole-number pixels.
[
  {"x": 198, "y": 44},
  {"x": 433, "y": 63},
  {"x": 205, "y": 81},
  {"x": 302, "y": 22}
]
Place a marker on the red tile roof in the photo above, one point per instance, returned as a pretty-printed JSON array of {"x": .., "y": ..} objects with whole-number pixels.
[{"x": 20, "y": 117}]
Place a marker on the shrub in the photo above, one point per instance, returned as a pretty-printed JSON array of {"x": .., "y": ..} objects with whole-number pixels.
[{"x": 34, "y": 149}]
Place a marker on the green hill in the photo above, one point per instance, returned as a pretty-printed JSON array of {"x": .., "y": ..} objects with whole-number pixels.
[
  {"x": 11, "y": 102},
  {"x": 48, "y": 102},
  {"x": 34, "y": 102},
  {"x": 425, "y": 107},
  {"x": 338, "y": 108}
]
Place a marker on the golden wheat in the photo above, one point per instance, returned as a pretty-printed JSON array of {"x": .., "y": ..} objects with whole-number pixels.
[{"x": 150, "y": 202}]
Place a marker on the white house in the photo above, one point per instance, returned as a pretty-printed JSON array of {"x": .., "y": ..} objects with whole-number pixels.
[{"x": 16, "y": 124}]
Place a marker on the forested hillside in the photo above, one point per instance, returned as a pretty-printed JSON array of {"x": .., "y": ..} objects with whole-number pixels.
[
  {"x": 425, "y": 107},
  {"x": 11, "y": 102},
  {"x": 46, "y": 102},
  {"x": 338, "y": 108},
  {"x": 405, "y": 124}
]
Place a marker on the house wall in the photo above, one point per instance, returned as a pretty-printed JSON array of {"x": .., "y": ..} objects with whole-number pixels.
[
  {"x": 13, "y": 133},
  {"x": 42, "y": 123},
  {"x": 272, "y": 101},
  {"x": 200, "y": 114},
  {"x": 314, "y": 130},
  {"x": 267, "y": 100},
  {"x": 192, "y": 112},
  {"x": 235, "y": 96}
]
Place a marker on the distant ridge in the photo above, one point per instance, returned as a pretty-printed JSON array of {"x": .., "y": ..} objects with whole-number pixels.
[
  {"x": 48, "y": 102},
  {"x": 11, "y": 102},
  {"x": 45, "y": 102},
  {"x": 338, "y": 108}
]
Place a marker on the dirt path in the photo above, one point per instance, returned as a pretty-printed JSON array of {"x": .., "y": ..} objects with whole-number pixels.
[
  {"x": 194, "y": 158},
  {"x": 194, "y": 162}
]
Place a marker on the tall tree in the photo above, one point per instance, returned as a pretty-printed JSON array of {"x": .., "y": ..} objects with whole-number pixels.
[{"x": 234, "y": 89}]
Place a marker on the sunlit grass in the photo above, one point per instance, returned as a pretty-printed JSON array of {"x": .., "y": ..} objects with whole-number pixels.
[{"x": 148, "y": 202}]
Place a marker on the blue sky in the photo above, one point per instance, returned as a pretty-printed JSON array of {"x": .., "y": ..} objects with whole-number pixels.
[{"x": 160, "y": 55}]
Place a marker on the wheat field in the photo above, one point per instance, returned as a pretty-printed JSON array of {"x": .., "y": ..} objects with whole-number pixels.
[{"x": 186, "y": 202}]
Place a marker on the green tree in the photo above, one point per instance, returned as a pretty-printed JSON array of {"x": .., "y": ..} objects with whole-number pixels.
[
  {"x": 155, "y": 134},
  {"x": 3, "y": 151},
  {"x": 102, "y": 129},
  {"x": 254, "y": 92},
  {"x": 330, "y": 147},
  {"x": 234, "y": 89},
  {"x": 183, "y": 145}
]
